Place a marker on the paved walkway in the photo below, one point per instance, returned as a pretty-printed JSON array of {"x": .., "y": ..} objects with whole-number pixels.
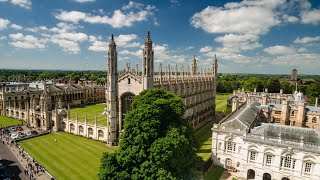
[
  {"x": 226, "y": 175},
  {"x": 26, "y": 163}
]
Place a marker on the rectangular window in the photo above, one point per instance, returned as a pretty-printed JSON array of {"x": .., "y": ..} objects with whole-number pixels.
[
  {"x": 253, "y": 155},
  {"x": 307, "y": 168},
  {"x": 229, "y": 146},
  {"x": 268, "y": 159}
]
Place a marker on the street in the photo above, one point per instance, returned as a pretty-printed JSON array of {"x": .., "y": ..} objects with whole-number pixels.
[{"x": 13, "y": 170}]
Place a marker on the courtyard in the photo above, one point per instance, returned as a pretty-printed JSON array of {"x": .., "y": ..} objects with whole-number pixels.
[
  {"x": 6, "y": 121},
  {"x": 91, "y": 111},
  {"x": 67, "y": 156}
]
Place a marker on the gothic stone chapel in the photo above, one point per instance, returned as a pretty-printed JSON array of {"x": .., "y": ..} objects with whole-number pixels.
[{"x": 197, "y": 88}]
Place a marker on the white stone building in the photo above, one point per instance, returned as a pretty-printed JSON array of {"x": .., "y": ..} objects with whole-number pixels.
[{"x": 255, "y": 150}]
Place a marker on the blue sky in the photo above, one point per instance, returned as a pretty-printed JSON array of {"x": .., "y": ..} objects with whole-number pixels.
[{"x": 248, "y": 36}]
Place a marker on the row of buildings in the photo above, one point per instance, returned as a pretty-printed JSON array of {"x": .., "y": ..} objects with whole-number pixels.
[
  {"x": 269, "y": 136},
  {"x": 47, "y": 105}
]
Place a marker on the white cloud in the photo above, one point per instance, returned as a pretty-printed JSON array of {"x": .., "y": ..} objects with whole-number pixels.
[
  {"x": 3, "y": 37},
  {"x": 15, "y": 26},
  {"x": 99, "y": 46},
  {"x": 37, "y": 29},
  {"x": 125, "y": 40},
  {"x": 307, "y": 39},
  {"x": 84, "y": 1},
  {"x": 119, "y": 19},
  {"x": 132, "y": 5},
  {"x": 22, "y": 3},
  {"x": 290, "y": 19},
  {"x": 137, "y": 53},
  {"x": 206, "y": 49},
  {"x": 27, "y": 41},
  {"x": 67, "y": 45},
  {"x": 72, "y": 36},
  {"x": 279, "y": 50},
  {"x": 311, "y": 17},
  {"x": 190, "y": 47},
  {"x": 234, "y": 18},
  {"x": 4, "y": 23}
]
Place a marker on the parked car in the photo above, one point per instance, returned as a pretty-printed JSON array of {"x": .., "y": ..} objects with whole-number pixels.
[
  {"x": 12, "y": 129},
  {"x": 34, "y": 132},
  {"x": 22, "y": 134},
  {"x": 7, "y": 131},
  {"x": 19, "y": 128},
  {"x": 29, "y": 133},
  {"x": 14, "y": 136}
]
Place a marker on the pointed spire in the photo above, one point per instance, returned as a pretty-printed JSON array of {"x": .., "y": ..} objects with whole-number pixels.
[
  {"x": 112, "y": 43},
  {"x": 148, "y": 40},
  {"x": 176, "y": 72}
]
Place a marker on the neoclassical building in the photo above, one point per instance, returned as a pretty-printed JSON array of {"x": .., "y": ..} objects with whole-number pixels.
[
  {"x": 251, "y": 149},
  {"x": 196, "y": 87}
]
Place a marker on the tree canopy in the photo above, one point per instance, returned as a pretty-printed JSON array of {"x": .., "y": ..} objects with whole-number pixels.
[{"x": 157, "y": 142}]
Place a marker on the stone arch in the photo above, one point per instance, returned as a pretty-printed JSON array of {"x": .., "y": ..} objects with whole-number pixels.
[
  {"x": 72, "y": 128},
  {"x": 285, "y": 178},
  {"x": 90, "y": 132},
  {"x": 266, "y": 176},
  {"x": 251, "y": 174},
  {"x": 64, "y": 126},
  {"x": 100, "y": 134},
  {"x": 81, "y": 130},
  {"x": 314, "y": 120},
  {"x": 125, "y": 105}
]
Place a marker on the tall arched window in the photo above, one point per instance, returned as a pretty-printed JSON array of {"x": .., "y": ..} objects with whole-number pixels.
[
  {"x": 287, "y": 161},
  {"x": 229, "y": 145}
]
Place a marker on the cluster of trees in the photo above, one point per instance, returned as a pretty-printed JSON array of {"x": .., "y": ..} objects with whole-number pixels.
[
  {"x": 38, "y": 75},
  {"x": 309, "y": 86},
  {"x": 157, "y": 142}
]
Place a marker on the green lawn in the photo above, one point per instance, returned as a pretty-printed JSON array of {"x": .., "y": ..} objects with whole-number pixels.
[
  {"x": 215, "y": 173},
  {"x": 204, "y": 133},
  {"x": 71, "y": 157},
  {"x": 6, "y": 121},
  {"x": 221, "y": 102},
  {"x": 91, "y": 111}
]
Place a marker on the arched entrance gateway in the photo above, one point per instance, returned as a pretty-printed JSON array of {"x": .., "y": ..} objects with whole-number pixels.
[
  {"x": 251, "y": 174},
  {"x": 266, "y": 176},
  {"x": 125, "y": 106}
]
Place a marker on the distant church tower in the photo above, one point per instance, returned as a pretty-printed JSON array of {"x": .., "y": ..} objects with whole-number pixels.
[
  {"x": 147, "y": 64},
  {"x": 112, "y": 92},
  {"x": 294, "y": 75}
]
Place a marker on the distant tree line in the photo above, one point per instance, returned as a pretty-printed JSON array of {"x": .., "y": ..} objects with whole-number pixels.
[
  {"x": 40, "y": 75},
  {"x": 309, "y": 85}
]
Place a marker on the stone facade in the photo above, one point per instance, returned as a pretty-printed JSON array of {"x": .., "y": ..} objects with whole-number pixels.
[
  {"x": 45, "y": 105},
  {"x": 241, "y": 143},
  {"x": 197, "y": 88}
]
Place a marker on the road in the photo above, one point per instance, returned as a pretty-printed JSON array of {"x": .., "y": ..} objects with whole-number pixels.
[{"x": 13, "y": 170}]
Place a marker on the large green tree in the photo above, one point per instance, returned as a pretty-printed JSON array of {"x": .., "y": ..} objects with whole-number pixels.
[
  {"x": 157, "y": 142},
  {"x": 252, "y": 83},
  {"x": 273, "y": 85}
]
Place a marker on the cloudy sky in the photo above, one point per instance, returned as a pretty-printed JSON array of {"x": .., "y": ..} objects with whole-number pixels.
[{"x": 249, "y": 36}]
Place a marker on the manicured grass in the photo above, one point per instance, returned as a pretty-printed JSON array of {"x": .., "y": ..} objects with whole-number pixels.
[
  {"x": 70, "y": 157},
  {"x": 221, "y": 102},
  {"x": 215, "y": 173},
  {"x": 91, "y": 111},
  {"x": 6, "y": 121},
  {"x": 204, "y": 133}
]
